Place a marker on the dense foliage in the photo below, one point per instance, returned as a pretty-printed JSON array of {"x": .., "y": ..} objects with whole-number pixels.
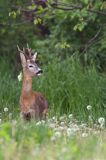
[{"x": 55, "y": 27}]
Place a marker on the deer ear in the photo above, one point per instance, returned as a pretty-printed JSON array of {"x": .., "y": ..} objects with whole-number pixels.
[
  {"x": 23, "y": 60},
  {"x": 34, "y": 56}
]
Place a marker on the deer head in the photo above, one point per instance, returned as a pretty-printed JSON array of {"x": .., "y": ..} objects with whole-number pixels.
[{"x": 28, "y": 59}]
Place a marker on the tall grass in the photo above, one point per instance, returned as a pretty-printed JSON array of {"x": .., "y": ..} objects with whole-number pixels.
[
  {"x": 67, "y": 85},
  {"x": 52, "y": 139}
]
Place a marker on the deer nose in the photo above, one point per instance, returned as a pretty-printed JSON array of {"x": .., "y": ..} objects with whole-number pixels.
[{"x": 40, "y": 71}]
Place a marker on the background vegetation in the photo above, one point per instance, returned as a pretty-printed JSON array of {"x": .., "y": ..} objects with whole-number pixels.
[{"x": 70, "y": 38}]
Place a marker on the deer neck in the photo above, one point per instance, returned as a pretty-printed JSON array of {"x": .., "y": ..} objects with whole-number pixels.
[{"x": 27, "y": 85}]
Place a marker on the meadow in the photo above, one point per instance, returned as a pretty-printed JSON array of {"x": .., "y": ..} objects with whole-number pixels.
[
  {"x": 70, "y": 39},
  {"x": 75, "y": 127}
]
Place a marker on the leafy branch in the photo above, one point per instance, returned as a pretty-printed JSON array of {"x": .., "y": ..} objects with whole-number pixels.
[{"x": 66, "y": 7}]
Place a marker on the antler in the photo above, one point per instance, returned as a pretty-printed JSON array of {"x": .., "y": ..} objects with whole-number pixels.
[
  {"x": 34, "y": 56},
  {"x": 20, "y": 50},
  {"x": 28, "y": 52}
]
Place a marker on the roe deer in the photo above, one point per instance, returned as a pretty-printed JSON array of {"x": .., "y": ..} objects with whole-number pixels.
[{"x": 33, "y": 105}]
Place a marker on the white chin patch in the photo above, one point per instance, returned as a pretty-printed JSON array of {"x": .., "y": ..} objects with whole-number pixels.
[{"x": 39, "y": 74}]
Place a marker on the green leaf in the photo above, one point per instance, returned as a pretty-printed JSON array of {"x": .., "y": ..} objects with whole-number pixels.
[{"x": 13, "y": 14}]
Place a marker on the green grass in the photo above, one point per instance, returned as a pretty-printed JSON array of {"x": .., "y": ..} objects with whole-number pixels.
[
  {"x": 69, "y": 88},
  {"x": 50, "y": 141}
]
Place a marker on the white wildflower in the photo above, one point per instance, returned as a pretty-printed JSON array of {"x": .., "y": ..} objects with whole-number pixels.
[
  {"x": 53, "y": 118},
  {"x": 49, "y": 121},
  {"x": 57, "y": 134},
  {"x": 38, "y": 123},
  {"x": 83, "y": 125},
  {"x": 5, "y": 109},
  {"x": 70, "y": 116},
  {"x": 52, "y": 125},
  {"x": 101, "y": 121},
  {"x": 20, "y": 77},
  {"x": 69, "y": 132},
  {"x": 61, "y": 128},
  {"x": 89, "y": 107},
  {"x": 62, "y": 123},
  {"x": 84, "y": 134},
  {"x": 76, "y": 128},
  {"x": 42, "y": 122},
  {"x": 61, "y": 118},
  {"x": 70, "y": 124}
]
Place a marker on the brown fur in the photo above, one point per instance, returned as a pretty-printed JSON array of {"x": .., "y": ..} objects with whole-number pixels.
[{"x": 33, "y": 105}]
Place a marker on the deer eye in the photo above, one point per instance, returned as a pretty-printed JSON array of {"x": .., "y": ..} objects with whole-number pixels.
[{"x": 30, "y": 66}]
